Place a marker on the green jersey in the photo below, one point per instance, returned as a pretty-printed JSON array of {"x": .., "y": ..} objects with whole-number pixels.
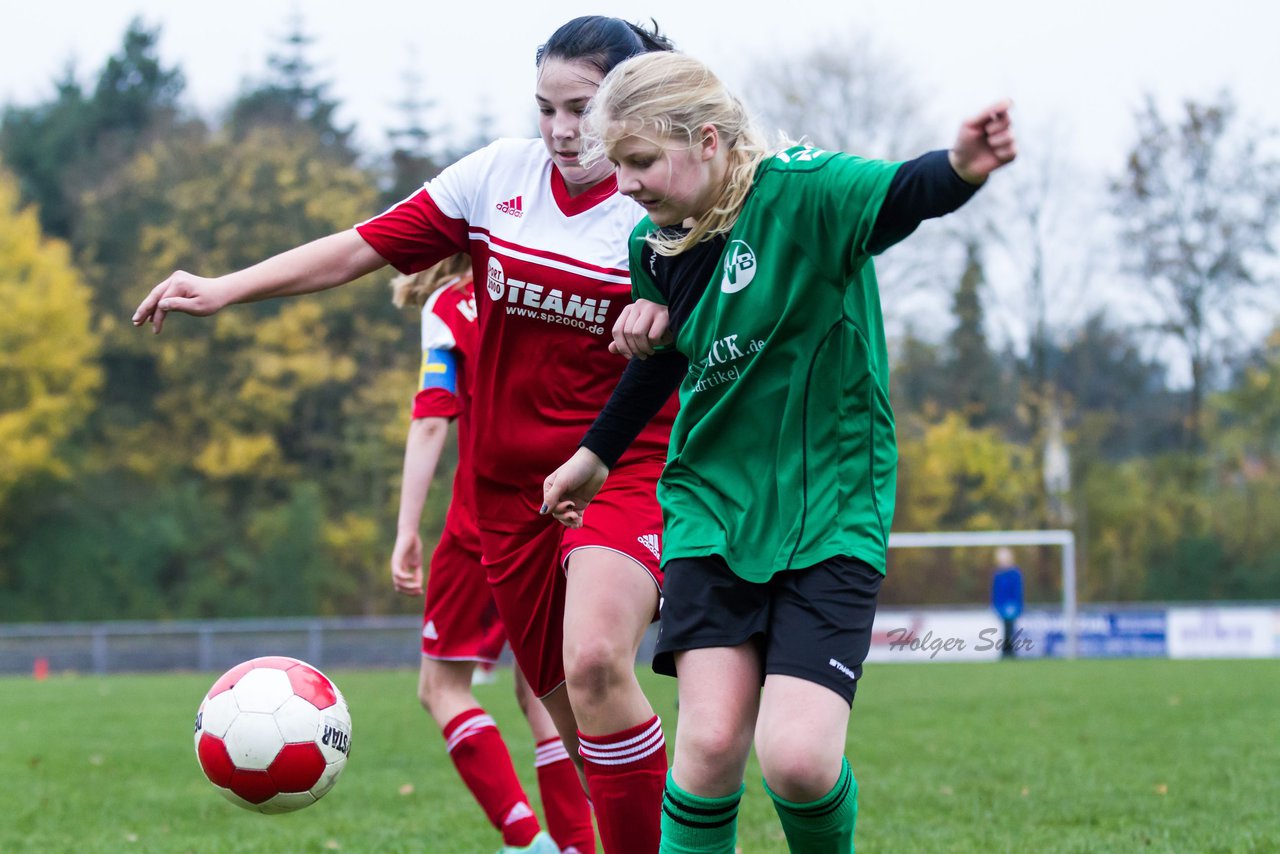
[{"x": 783, "y": 453}]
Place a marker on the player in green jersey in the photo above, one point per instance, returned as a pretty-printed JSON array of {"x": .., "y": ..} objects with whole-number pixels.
[{"x": 778, "y": 492}]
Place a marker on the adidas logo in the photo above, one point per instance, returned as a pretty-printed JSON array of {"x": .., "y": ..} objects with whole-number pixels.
[
  {"x": 651, "y": 542},
  {"x": 429, "y": 631},
  {"x": 519, "y": 812},
  {"x": 515, "y": 206}
]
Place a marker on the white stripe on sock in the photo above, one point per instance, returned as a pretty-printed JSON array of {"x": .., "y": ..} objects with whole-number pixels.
[
  {"x": 549, "y": 754},
  {"x": 468, "y": 729},
  {"x": 633, "y": 749}
]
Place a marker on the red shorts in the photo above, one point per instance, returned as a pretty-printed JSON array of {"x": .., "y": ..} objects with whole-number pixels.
[
  {"x": 459, "y": 619},
  {"x": 525, "y": 556}
]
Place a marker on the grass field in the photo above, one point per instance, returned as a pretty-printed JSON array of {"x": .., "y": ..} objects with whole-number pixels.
[{"x": 1087, "y": 756}]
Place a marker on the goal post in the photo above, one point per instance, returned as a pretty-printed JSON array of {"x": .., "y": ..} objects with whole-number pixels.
[{"x": 1066, "y": 540}]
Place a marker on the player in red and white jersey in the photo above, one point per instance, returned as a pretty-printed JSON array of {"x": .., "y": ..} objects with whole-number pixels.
[
  {"x": 548, "y": 238},
  {"x": 552, "y": 279},
  {"x": 461, "y": 627}
]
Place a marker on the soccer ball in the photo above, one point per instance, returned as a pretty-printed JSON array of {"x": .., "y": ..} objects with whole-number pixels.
[{"x": 273, "y": 734}]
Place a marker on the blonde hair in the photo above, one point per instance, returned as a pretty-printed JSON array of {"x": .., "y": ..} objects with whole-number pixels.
[
  {"x": 414, "y": 289},
  {"x": 673, "y": 95}
]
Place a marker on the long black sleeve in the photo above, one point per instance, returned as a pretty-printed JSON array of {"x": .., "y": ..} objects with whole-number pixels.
[
  {"x": 921, "y": 189},
  {"x": 643, "y": 390}
]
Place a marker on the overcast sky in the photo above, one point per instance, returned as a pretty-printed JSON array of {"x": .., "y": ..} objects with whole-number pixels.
[{"x": 1075, "y": 69}]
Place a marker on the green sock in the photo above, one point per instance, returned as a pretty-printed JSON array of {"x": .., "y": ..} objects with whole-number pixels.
[
  {"x": 696, "y": 825},
  {"x": 824, "y": 826}
]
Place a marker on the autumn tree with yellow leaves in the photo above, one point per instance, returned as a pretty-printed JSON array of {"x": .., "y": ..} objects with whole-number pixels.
[{"x": 48, "y": 372}]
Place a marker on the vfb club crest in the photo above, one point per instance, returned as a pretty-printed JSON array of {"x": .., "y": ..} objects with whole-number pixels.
[{"x": 739, "y": 267}]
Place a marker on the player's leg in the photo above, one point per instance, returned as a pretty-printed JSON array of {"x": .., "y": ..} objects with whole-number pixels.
[
  {"x": 529, "y": 592},
  {"x": 719, "y": 695},
  {"x": 529, "y": 562},
  {"x": 712, "y": 623},
  {"x": 477, "y": 749},
  {"x": 610, "y": 602},
  {"x": 800, "y": 741},
  {"x": 460, "y": 629},
  {"x": 819, "y": 636},
  {"x": 609, "y": 605},
  {"x": 564, "y": 801},
  {"x": 520, "y": 560}
]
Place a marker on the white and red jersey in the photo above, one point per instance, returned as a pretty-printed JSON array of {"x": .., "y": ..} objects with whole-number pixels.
[
  {"x": 449, "y": 342},
  {"x": 554, "y": 273}
]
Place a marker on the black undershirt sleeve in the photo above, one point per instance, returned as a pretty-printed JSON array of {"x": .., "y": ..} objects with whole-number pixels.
[
  {"x": 643, "y": 390},
  {"x": 921, "y": 189}
]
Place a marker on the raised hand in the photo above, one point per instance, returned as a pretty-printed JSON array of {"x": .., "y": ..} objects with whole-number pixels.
[{"x": 984, "y": 144}]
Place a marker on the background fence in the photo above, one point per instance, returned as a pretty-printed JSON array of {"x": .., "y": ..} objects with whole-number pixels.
[
  {"x": 212, "y": 645},
  {"x": 1143, "y": 630}
]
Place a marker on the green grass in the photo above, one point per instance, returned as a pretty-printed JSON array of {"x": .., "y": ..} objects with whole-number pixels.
[{"x": 1081, "y": 756}]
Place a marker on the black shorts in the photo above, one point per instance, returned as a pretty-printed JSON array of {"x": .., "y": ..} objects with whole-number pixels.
[{"x": 814, "y": 624}]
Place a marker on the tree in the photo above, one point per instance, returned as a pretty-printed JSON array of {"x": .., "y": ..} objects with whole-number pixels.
[
  {"x": 1248, "y": 414},
  {"x": 974, "y": 385},
  {"x": 918, "y": 381},
  {"x": 847, "y": 94},
  {"x": 73, "y": 142},
  {"x": 953, "y": 477},
  {"x": 134, "y": 91},
  {"x": 291, "y": 97},
  {"x": 1042, "y": 239},
  {"x": 1116, "y": 397},
  {"x": 38, "y": 142},
  {"x": 1199, "y": 199},
  {"x": 414, "y": 155},
  {"x": 291, "y": 412},
  {"x": 48, "y": 375}
]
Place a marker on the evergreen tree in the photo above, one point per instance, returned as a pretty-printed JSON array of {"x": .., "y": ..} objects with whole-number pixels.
[
  {"x": 292, "y": 98},
  {"x": 973, "y": 377},
  {"x": 74, "y": 142},
  {"x": 414, "y": 159}
]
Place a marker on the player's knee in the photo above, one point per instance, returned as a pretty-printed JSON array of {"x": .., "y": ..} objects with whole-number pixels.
[
  {"x": 593, "y": 666},
  {"x": 428, "y": 691},
  {"x": 716, "y": 747},
  {"x": 798, "y": 769},
  {"x": 439, "y": 685},
  {"x": 525, "y": 702}
]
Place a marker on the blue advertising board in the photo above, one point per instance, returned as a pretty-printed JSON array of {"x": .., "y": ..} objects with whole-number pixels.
[{"x": 1101, "y": 634}]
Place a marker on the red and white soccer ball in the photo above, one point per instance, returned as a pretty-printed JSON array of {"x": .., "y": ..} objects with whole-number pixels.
[{"x": 273, "y": 734}]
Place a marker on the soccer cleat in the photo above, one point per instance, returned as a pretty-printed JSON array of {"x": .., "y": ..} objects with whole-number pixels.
[{"x": 541, "y": 844}]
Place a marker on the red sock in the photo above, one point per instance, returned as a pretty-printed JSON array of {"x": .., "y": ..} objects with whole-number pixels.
[
  {"x": 626, "y": 772},
  {"x": 565, "y": 804},
  {"x": 482, "y": 760}
]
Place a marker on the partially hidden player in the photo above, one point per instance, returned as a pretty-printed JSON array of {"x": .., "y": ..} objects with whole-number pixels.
[{"x": 460, "y": 624}]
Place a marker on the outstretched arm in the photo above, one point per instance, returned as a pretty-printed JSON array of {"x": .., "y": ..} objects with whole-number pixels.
[
  {"x": 315, "y": 266},
  {"x": 937, "y": 183}
]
